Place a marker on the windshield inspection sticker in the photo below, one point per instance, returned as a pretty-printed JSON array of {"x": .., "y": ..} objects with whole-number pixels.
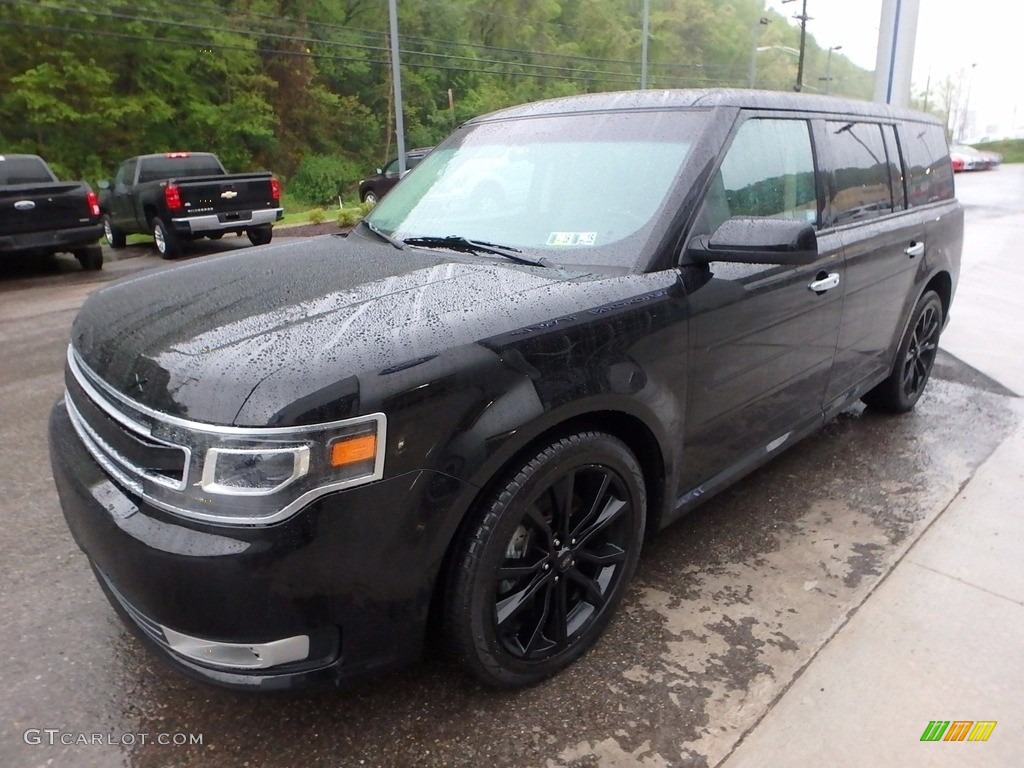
[{"x": 572, "y": 238}]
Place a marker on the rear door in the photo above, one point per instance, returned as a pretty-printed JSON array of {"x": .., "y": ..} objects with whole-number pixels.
[
  {"x": 883, "y": 246},
  {"x": 762, "y": 340}
]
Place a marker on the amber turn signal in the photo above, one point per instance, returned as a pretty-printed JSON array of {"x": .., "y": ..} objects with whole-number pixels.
[{"x": 351, "y": 450}]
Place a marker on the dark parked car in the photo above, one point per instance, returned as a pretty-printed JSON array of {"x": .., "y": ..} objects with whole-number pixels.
[
  {"x": 375, "y": 187},
  {"x": 181, "y": 196},
  {"x": 40, "y": 215},
  {"x": 285, "y": 469}
]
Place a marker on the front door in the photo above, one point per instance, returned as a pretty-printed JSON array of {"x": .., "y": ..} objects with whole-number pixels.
[{"x": 762, "y": 337}]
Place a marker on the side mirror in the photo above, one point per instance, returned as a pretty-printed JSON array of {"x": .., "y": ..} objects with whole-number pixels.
[
  {"x": 380, "y": 171},
  {"x": 757, "y": 241},
  {"x": 103, "y": 184}
]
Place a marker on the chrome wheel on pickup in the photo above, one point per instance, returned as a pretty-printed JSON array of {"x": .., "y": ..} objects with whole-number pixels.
[
  {"x": 167, "y": 244},
  {"x": 115, "y": 237}
]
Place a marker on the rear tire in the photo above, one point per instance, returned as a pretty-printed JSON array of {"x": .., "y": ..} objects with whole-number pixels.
[
  {"x": 90, "y": 257},
  {"x": 114, "y": 236},
  {"x": 541, "y": 571},
  {"x": 914, "y": 360},
  {"x": 260, "y": 235},
  {"x": 167, "y": 243}
]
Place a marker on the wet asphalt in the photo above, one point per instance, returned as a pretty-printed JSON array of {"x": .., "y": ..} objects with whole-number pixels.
[{"x": 726, "y": 608}]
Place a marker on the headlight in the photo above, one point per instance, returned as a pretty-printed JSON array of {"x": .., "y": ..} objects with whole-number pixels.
[
  {"x": 220, "y": 474},
  {"x": 254, "y": 471},
  {"x": 263, "y": 475}
]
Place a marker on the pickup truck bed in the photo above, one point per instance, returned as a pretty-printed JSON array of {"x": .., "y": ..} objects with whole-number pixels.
[{"x": 40, "y": 215}]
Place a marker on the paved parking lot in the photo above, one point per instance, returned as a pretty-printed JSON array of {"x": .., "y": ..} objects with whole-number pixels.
[{"x": 727, "y": 607}]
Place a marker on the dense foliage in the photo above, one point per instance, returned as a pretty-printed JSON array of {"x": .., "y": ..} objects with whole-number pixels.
[{"x": 303, "y": 87}]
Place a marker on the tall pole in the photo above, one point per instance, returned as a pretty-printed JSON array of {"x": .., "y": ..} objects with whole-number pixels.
[
  {"x": 894, "y": 62},
  {"x": 643, "y": 45},
  {"x": 967, "y": 106},
  {"x": 803, "y": 44},
  {"x": 396, "y": 79},
  {"x": 755, "y": 37},
  {"x": 828, "y": 68}
]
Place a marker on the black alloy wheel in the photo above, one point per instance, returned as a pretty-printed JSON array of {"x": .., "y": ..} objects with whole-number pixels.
[
  {"x": 541, "y": 573},
  {"x": 914, "y": 361}
]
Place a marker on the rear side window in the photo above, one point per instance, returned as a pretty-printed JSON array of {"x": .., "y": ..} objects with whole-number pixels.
[
  {"x": 768, "y": 171},
  {"x": 862, "y": 187},
  {"x": 926, "y": 158},
  {"x": 24, "y": 170},
  {"x": 156, "y": 168}
]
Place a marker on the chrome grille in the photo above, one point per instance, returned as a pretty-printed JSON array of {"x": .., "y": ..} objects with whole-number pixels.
[{"x": 121, "y": 441}]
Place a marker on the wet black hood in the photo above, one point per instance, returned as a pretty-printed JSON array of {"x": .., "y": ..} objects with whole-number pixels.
[{"x": 240, "y": 339}]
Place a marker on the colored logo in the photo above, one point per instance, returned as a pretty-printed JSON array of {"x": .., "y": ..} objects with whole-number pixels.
[{"x": 958, "y": 730}]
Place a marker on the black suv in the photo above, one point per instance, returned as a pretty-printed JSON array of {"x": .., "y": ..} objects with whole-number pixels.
[
  {"x": 285, "y": 467},
  {"x": 375, "y": 187}
]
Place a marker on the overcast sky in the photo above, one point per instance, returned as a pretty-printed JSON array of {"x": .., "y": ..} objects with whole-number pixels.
[{"x": 951, "y": 36}]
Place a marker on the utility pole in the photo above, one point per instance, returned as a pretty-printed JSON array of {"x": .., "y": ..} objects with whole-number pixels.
[
  {"x": 803, "y": 46},
  {"x": 643, "y": 45},
  {"x": 804, "y": 18},
  {"x": 396, "y": 79}
]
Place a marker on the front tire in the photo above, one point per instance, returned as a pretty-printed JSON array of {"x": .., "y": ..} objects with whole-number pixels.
[
  {"x": 167, "y": 243},
  {"x": 914, "y": 360},
  {"x": 541, "y": 572},
  {"x": 260, "y": 235},
  {"x": 370, "y": 198}
]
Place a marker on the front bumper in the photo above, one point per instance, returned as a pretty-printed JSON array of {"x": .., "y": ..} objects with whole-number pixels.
[
  {"x": 53, "y": 241},
  {"x": 353, "y": 572},
  {"x": 226, "y": 222}
]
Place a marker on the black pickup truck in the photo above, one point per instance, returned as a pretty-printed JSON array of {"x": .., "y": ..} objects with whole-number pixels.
[
  {"x": 180, "y": 196},
  {"x": 40, "y": 215}
]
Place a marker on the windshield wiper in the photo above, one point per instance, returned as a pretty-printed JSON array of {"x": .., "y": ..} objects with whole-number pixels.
[
  {"x": 460, "y": 243},
  {"x": 382, "y": 234}
]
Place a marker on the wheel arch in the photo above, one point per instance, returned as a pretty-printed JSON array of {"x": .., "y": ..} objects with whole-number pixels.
[
  {"x": 629, "y": 427},
  {"x": 942, "y": 284}
]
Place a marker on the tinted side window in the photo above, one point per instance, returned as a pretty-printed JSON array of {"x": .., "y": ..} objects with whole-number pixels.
[
  {"x": 126, "y": 173},
  {"x": 862, "y": 189},
  {"x": 768, "y": 171},
  {"x": 926, "y": 158}
]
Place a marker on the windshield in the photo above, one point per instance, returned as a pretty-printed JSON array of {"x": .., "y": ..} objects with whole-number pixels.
[{"x": 580, "y": 189}]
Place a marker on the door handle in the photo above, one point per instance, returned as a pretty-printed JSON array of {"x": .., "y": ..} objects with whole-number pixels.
[
  {"x": 915, "y": 249},
  {"x": 826, "y": 283}
]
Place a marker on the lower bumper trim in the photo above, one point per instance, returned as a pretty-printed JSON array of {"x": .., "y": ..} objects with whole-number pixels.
[{"x": 237, "y": 655}]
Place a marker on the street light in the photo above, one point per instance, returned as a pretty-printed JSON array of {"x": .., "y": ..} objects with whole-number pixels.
[
  {"x": 828, "y": 67},
  {"x": 755, "y": 33},
  {"x": 967, "y": 106}
]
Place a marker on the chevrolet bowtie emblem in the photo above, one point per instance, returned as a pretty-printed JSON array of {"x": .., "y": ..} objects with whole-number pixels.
[{"x": 229, "y": 194}]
